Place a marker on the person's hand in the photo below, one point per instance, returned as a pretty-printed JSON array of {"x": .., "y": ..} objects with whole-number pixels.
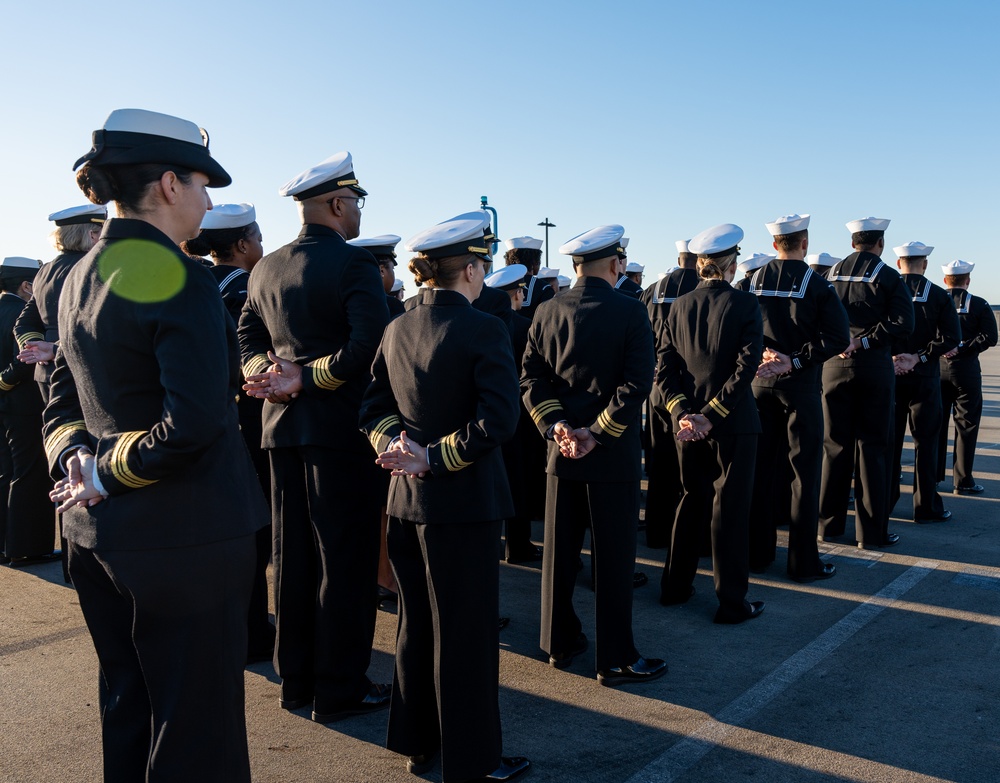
[
  {"x": 773, "y": 364},
  {"x": 280, "y": 383},
  {"x": 77, "y": 489},
  {"x": 693, "y": 426},
  {"x": 577, "y": 443},
  {"x": 952, "y": 353},
  {"x": 904, "y": 362},
  {"x": 405, "y": 457},
  {"x": 851, "y": 348},
  {"x": 37, "y": 352}
]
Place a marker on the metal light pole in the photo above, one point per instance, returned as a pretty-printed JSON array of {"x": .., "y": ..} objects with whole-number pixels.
[
  {"x": 484, "y": 204},
  {"x": 547, "y": 225}
]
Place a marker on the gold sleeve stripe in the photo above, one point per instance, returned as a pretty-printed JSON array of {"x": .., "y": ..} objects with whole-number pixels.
[
  {"x": 610, "y": 426},
  {"x": 380, "y": 429},
  {"x": 60, "y": 433},
  {"x": 119, "y": 461},
  {"x": 322, "y": 376},
  {"x": 27, "y": 337},
  {"x": 543, "y": 409},
  {"x": 4, "y": 386},
  {"x": 719, "y": 407},
  {"x": 673, "y": 402},
  {"x": 449, "y": 453},
  {"x": 255, "y": 364}
]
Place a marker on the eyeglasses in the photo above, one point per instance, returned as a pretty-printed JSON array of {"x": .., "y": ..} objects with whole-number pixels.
[{"x": 359, "y": 199}]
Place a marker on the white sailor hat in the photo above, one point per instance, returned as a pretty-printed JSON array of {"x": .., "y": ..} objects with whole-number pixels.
[
  {"x": 787, "y": 224},
  {"x": 397, "y": 286},
  {"x": 334, "y": 173},
  {"x": 635, "y": 268},
  {"x": 756, "y": 261},
  {"x": 140, "y": 136},
  {"x": 821, "y": 259},
  {"x": 529, "y": 243},
  {"x": 868, "y": 224},
  {"x": 228, "y": 216},
  {"x": 600, "y": 242},
  {"x": 717, "y": 241},
  {"x": 564, "y": 282},
  {"x": 913, "y": 249},
  {"x": 958, "y": 267},
  {"x": 382, "y": 246},
  {"x": 682, "y": 245},
  {"x": 623, "y": 242},
  {"x": 508, "y": 278},
  {"x": 460, "y": 235},
  {"x": 547, "y": 273},
  {"x": 88, "y": 213},
  {"x": 18, "y": 266}
]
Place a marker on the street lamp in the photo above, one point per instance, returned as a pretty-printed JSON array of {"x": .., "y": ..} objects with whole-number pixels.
[{"x": 547, "y": 225}]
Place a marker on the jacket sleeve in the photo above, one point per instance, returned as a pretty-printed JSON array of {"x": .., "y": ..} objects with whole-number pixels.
[
  {"x": 737, "y": 386},
  {"x": 63, "y": 427},
  {"x": 367, "y": 313},
  {"x": 985, "y": 334},
  {"x": 379, "y": 417},
  {"x": 834, "y": 333},
  {"x": 29, "y": 325},
  {"x": 537, "y": 385},
  {"x": 188, "y": 339},
  {"x": 671, "y": 403},
  {"x": 948, "y": 334},
  {"x": 497, "y": 408},
  {"x": 897, "y": 322},
  {"x": 255, "y": 340},
  {"x": 623, "y": 409}
]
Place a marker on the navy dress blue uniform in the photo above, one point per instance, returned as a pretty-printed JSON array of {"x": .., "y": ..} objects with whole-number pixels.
[
  {"x": 629, "y": 287},
  {"x": 918, "y": 393},
  {"x": 579, "y": 370},
  {"x": 708, "y": 359},
  {"x": 147, "y": 377},
  {"x": 858, "y": 398},
  {"x": 663, "y": 492},
  {"x": 804, "y": 319},
  {"x": 445, "y": 374},
  {"x": 536, "y": 291},
  {"x": 28, "y": 528},
  {"x": 320, "y": 303},
  {"x": 962, "y": 386}
]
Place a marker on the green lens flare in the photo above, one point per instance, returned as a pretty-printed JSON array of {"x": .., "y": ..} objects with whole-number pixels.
[{"x": 142, "y": 271}]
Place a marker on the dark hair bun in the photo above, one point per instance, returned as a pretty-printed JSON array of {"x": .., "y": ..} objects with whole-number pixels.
[
  {"x": 423, "y": 269},
  {"x": 97, "y": 185}
]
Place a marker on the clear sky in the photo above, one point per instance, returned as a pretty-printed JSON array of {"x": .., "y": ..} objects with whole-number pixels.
[{"x": 667, "y": 117}]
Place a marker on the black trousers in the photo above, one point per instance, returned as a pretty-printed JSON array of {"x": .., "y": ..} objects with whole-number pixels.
[
  {"x": 610, "y": 511},
  {"x": 790, "y": 444},
  {"x": 961, "y": 398},
  {"x": 918, "y": 401},
  {"x": 326, "y": 512},
  {"x": 31, "y": 519},
  {"x": 663, "y": 491},
  {"x": 446, "y": 683},
  {"x": 169, "y": 628},
  {"x": 717, "y": 474},
  {"x": 857, "y": 414}
]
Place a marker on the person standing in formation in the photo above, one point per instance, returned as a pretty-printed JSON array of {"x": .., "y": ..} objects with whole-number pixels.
[
  {"x": 625, "y": 284},
  {"x": 527, "y": 251},
  {"x": 709, "y": 356},
  {"x": 314, "y": 316},
  {"x": 442, "y": 400},
  {"x": 584, "y": 385},
  {"x": 804, "y": 325},
  {"x": 858, "y": 389},
  {"x": 917, "y": 362},
  {"x": 962, "y": 378}
]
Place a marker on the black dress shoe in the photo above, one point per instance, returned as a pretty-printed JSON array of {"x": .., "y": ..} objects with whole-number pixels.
[
  {"x": 510, "y": 768},
  {"x": 48, "y": 557},
  {"x": 944, "y": 516},
  {"x": 975, "y": 489},
  {"x": 730, "y": 617},
  {"x": 670, "y": 600},
  {"x": 530, "y": 555},
  {"x": 890, "y": 540},
  {"x": 826, "y": 571},
  {"x": 295, "y": 702},
  {"x": 422, "y": 764},
  {"x": 562, "y": 660},
  {"x": 387, "y": 596},
  {"x": 643, "y": 670},
  {"x": 376, "y": 699},
  {"x": 639, "y": 579}
]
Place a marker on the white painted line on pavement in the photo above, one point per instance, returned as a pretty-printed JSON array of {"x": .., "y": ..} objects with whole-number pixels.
[{"x": 692, "y": 748}]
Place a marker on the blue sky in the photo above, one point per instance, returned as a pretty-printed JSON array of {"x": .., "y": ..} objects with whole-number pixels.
[{"x": 665, "y": 117}]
